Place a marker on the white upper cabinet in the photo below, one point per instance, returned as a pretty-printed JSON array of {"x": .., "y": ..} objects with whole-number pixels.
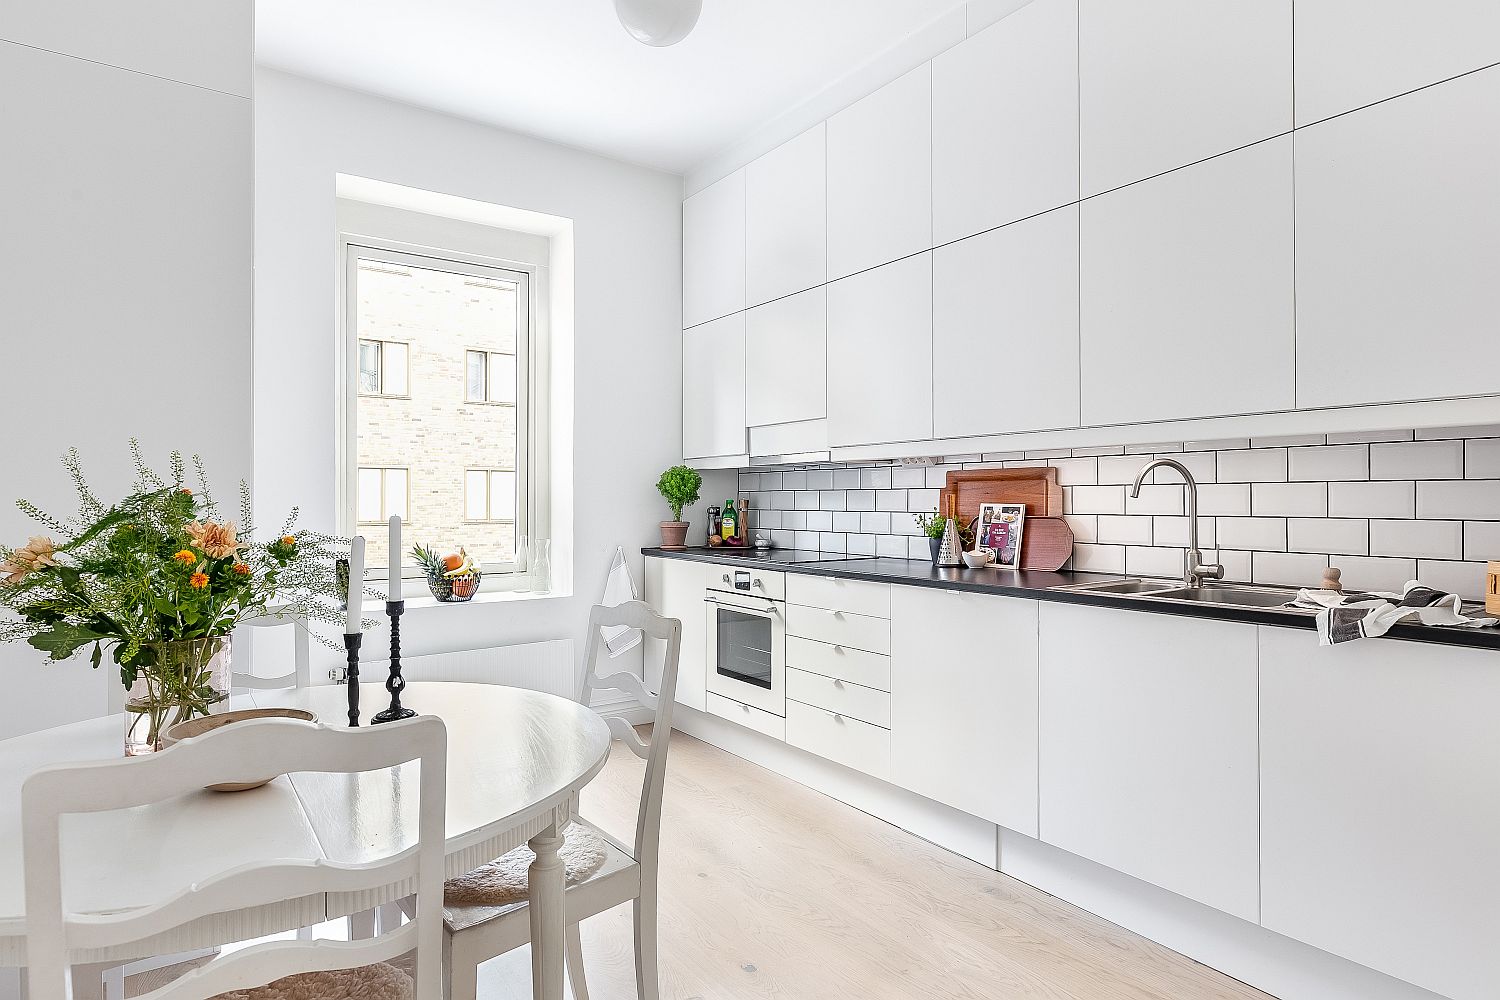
[
  {"x": 1186, "y": 290},
  {"x": 1005, "y": 122},
  {"x": 189, "y": 41},
  {"x": 1398, "y": 211},
  {"x": 786, "y": 368},
  {"x": 1165, "y": 83},
  {"x": 713, "y": 389},
  {"x": 1148, "y": 749},
  {"x": 1011, "y": 293},
  {"x": 880, "y": 354},
  {"x": 1379, "y": 819},
  {"x": 1355, "y": 52},
  {"x": 786, "y": 218},
  {"x": 713, "y": 251},
  {"x": 880, "y": 176}
]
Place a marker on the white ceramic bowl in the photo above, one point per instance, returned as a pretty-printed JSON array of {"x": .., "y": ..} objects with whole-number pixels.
[{"x": 976, "y": 560}]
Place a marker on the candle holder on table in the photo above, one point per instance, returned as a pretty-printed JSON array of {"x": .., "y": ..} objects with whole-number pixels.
[
  {"x": 352, "y": 641},
  {"x": 395, "y": 683}
]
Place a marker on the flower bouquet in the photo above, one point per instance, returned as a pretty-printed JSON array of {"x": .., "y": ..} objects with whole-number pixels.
[{"x": 160, "y": 580}]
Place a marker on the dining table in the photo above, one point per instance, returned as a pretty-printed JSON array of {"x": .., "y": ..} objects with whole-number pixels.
[{"x": 517, "y": 761}]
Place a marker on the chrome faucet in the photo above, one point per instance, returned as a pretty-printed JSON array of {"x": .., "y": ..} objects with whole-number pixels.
[{"x": 1194, "y": 572}]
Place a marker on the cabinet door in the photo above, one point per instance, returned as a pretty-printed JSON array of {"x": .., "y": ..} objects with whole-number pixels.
[
  {"x": 1165, "y": 83},
  {"x": 1351, "y": 53},
  {"x": 880, "y": 176},
  {"x": 963, "y": 702},
  {"x": 1005, "y": 122},
  {"x": 674, "y": 588},
  {"x": 1398, "y": 246},
  {"x": 786, "y": 359},
  {"x": 1379, "y": 819},
  {"x": 880, "y": 354},
  {"x": 713, "y": 251},
  {"x": 1186, "y": 290},
  {"x": 713, "y": 389},
  {"x": 786, "y": 218},
  {"x": 1016, "y": 286},
  {"x": 1148, "y": 749}
]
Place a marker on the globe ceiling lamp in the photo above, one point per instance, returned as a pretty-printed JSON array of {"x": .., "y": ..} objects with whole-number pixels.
[{"x": 659, "y": 22}]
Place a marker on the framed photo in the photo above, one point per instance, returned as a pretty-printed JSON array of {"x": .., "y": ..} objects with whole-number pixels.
[{"x": 999, "y": 532}]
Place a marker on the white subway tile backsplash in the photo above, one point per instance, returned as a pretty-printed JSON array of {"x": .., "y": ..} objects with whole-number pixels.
[
  {"x": 1008, "y": 456},
  {"x": 1266, "y": 534},
  {"x": 1345, "y": 535},
  {"x": 1263, "y": 465},
  {"x": 909, "y": 477},
  {"x": 1221, "y": 444},
  {"x": 1120, "y": 529},
  {"x": 784, "y": 539},
  {"x": 1477, "y": 500},
  {"x": 1076, "y": 471},
  {"x": 830, "y": 542},
  {"x": 1224, "y": 498},
  {"x": 890, "y": 500},
  {"x": 875, "y": 523},
  {"x": 875, "y": 479},
  {"x": 1173, "y": 531},
  {"x": 1092, "y": 452},
  {"x": 845, "y": 521},
  {"x": 1085, "y": 526},
  {"x": 859, "y": 545},
  {"x": 1417, "y": 539},
  {"x": 922, "y": 499},
  {"x": 1288, "y": 441},
  {"x": 1045, "y": 453},
  {"x": 1153, "y": 449},
  {"x": 891, "y": 546},
  {"x": 795, "y": 480},
  {"x": 1095, "y": 499},
  {"x": 1482, "y": 459},
  {"x": 1329, "y": 463},
  {"x": 806, "y": 540},
  {"x": 846, "y": 479},
  {"x": 937, "y": 476},
  {"x": 806, "y": 500},
  {"x": 1236, "y": 565},
  {"x": 1148, "y": 561},
  {"x": 820, "y": 479},
  {"x": 1372, "y": 499},
  {"x": 820, "y": 520},
  {"x": 1473, "y": 431},
  {"x": 1289, "y": 499},
  {"x": 1089, "y": 558},
  {"x": 796, "y": 519},
  {"x": 1417, "y": 460},
  {"x": 1466, "y": 579},
  {"x": 905, "y": 524},
  {"x": 1370, "y": 437},
  {"x": 859, "y": 499},
  {"x": 1482, "y": 540},
  {"x": 1204, "y": 466},
  {"x": 918, "y": 548},
  {"x": 830, "y": 499},
  {"x": 1288, "y": 569},
  {"x": 1120, "y": 469},
  {"x": 1156, "y": 500},
  {"x": 1375, "y": 573}
]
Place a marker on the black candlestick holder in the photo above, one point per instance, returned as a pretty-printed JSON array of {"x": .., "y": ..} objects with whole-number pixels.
[
  {"x": 395, "y": 683},
  {"x": 352, "y": 643}
]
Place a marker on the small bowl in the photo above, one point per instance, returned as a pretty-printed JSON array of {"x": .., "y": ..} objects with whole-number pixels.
[
  {"x": 977, "y": 560},
  {"x": 208, "y": 723}
]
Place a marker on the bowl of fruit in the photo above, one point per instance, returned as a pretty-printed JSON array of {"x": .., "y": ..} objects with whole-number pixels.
[{"x": 452, "y": 578}]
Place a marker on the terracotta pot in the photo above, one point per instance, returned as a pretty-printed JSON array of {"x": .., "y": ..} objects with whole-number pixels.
[{"x": 674, "y": 534}]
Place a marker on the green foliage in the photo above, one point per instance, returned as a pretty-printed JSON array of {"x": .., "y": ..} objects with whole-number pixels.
[{"x": 679, "y": 485}]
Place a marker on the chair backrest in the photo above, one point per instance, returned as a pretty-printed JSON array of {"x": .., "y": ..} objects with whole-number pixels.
[
  {"x": 301, "y": 652},
  {"x": 654, "y": 751},
  {"x": 243, "y": 752}
]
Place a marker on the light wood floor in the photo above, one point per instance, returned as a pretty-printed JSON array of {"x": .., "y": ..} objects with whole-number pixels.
[{"x": 771, "y": 890}]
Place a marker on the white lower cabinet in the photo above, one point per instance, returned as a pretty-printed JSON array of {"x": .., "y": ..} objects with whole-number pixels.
[
  {"x": 963, "y": 702},
  {"x": 1380, "y": 820},
  {"x": 764, "y": 723},
  {"x": 1148, "y": 749},
  {"x": 840, "y": 738},
  {"x": 674, "y": 588}
]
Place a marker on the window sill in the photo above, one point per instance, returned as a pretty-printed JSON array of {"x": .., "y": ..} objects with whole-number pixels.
[{"x": 484, "y": 597}]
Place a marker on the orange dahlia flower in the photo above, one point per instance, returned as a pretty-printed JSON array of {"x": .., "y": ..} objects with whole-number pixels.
[
  {"x": 198, "y": 580},
  {"x": 185, "y": 556},
  {"x": 216, "y": 540},
  {"x": 242, "y": 569}
]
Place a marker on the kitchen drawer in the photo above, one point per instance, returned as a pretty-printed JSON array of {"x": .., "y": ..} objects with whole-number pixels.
[
  {"x": 857, "y": 597},
  {"x": 840, "y": 739},
  {"x": 871, "y": 670},
  {"x": 763, "y": 583},
  {"x": 751, "y": 718},
  {"x": 839, "y": 628},
  {"x": 841, "y": 697}
]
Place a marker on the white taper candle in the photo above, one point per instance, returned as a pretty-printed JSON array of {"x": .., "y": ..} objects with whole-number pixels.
[
  {"x": 393, "y": 578},
  {"x": 356, "y": 586}
]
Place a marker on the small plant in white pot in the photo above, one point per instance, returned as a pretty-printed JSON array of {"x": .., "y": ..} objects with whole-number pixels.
[{"x": 679, "y": 485}]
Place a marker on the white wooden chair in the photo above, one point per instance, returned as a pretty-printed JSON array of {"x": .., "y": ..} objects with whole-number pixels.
[
  {"x": 473, "y": 935},
  {"x": 243, "y": 752},
  {"x": 301, "y": 652}
]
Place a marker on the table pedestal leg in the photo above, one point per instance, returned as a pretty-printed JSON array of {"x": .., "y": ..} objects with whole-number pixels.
[{"x": 546, "y": 882}]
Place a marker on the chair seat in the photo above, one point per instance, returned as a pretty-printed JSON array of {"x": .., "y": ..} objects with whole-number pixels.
[
  {"x": 380, "y": 981},
  {"x": 501, "y": 887}
]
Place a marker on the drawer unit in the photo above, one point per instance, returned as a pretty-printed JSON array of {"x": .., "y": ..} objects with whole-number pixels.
[
  {"x": 839, "y": 738},
  {"x": 856, "y": 597},
  {"x": 839, "y": 697},
  {"x": 746, "y": 580},
  {"x": 751, "y": 718},
  {"x": 871, "y": 670},
  {"x": 840, "y": 628}
]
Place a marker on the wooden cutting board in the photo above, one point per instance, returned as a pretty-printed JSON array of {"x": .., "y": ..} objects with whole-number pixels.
[
  {"x": 1046, "y": 543},
  {"x": 1037, "y": 488}
]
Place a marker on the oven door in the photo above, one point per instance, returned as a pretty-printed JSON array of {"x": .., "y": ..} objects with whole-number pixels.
[{"x": 747, "y": 651}]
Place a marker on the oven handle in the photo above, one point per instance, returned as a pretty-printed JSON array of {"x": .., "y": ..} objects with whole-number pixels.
[{"x": 768, "y": 609}]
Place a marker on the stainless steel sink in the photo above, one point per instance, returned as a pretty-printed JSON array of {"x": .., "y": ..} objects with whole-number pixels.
[
  {"x": 1131, "y": 586},
  {"x": 1241, "y": 597}
]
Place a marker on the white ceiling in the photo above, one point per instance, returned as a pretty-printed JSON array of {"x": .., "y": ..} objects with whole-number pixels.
[{"x": 566, "y": 71}]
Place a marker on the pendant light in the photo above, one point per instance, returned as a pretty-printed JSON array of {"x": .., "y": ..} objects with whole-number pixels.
[{"x": 659, "y": 22}]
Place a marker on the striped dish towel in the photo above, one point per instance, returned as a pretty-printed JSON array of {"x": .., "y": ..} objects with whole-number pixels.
[{"x": 1349, "y": 615}]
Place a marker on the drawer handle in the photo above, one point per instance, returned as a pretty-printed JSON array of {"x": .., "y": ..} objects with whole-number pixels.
[
  {"x": 831, "y": 611},
  {"x": 837, "y": 683},
  {"x": 837, "y": 717},
  {"x": 839, "y": 650}
]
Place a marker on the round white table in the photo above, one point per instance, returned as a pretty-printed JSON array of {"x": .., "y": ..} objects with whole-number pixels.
[{"x": 516, "y": 762}]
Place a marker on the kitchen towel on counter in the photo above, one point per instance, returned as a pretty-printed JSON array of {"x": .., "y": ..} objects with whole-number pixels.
[
  {"x": 1346, "y": 616},
  {"x": 619, "y": 587}
]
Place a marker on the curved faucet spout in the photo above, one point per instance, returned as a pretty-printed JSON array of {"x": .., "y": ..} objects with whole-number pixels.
[{"x": 1194, "y": 570}]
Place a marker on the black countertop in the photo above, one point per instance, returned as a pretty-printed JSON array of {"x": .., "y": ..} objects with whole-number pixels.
[{"x": 1041, "y": 587}]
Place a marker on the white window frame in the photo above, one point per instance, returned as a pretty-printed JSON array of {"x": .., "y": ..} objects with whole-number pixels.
[
  {"x": 385, "y": 512},
  {"x": 489, "y": 498},
  {"x": 533, "y": 504},
  {"x": 488, "y": 382},
  {"x": 381, "y": 344}
]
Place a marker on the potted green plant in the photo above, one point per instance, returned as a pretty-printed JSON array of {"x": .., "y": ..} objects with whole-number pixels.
[
  {"x": 679, "y": 486},
  {"x": 932, "y": 526}
]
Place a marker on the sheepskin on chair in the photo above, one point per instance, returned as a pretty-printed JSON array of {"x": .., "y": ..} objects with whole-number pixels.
[
  {"x": 503, "y": 882},
  {"x": 369, "y": 982}
]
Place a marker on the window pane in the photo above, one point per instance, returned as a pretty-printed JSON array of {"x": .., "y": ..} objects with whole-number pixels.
[
  {"x": 395, "y": 494},
  {"x": 475, "y": 508},
  {"x": 503, "y": 496},
  {"x": 475, "y": 361},
  {"x": 369, "y": 366},
  {"x": 368, "y": 502},
  {"x": 394, "y": 358},
  {"x": 502, "y": 378}
]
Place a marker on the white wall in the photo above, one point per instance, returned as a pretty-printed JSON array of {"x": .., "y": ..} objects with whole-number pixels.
[
  {"x": 626, "y": 339},
  {"x": 125, "y": 272}
]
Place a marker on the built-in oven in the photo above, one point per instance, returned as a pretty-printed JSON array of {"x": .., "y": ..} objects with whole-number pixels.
[{"x": 747, "y": 641}]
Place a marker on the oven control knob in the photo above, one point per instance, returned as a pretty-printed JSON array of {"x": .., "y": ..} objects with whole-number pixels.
[{"x": 726, "y": 578}]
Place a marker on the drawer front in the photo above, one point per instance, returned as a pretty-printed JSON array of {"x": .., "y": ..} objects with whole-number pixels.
[
  {"x": 763, "y": 583},
  {"x": 871, "y": 670},
  {"x": 839, "y": 628},
  {"x": 840, "y": 739},
  {"x": 751, "y": 718},
  {"x": 840, "y": 697},
  {"x": 857, "y": 597}
]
